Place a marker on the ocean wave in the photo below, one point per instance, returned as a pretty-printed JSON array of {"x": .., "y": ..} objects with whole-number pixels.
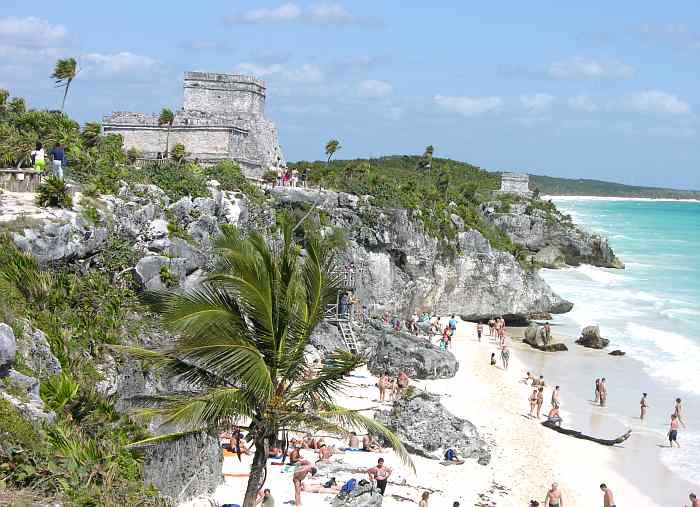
[
  {"x": 684, "y": 461},
  {"x": 563, "y": 198},
  {"x": 601, "y": 275}
]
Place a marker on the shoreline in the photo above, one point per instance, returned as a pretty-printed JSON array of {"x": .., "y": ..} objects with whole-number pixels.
[{"x": 569, "y": 197}]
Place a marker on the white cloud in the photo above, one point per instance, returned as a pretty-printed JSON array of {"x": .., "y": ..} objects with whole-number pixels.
[
  {"x": 655, "y": 101},
  {"x": 326, "y": 13},
  {"x": 306, "y": 73},
  {"x": 537, "y": 103},
  {"x": 469, "y": 106},
  {"x": 31, "y": 32},
  {"x": 582, "y": 102},
  {"x": 579, "y": 67},
  {"x": 106, "y": 65},
  {"x": 371, "y": 88}
]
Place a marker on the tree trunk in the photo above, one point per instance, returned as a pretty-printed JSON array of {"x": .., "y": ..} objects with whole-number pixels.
[
  {"x": 167, "y": 143},
  {"x": 257, "y": 469},
  {"x": 65, "y": 94}
]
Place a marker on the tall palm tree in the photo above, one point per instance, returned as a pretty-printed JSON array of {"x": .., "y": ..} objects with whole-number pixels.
[
  {"x": 331, "y": 147},
  {"x": 241, "y": 346},
  {"x": 166, "y": 118},
  {"x": 64, "y": 73}
]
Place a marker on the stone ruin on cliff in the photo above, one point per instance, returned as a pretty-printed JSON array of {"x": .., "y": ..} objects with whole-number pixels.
[
  {"x": 222, "y": 118},
  {"x": 515, "y": 183}
]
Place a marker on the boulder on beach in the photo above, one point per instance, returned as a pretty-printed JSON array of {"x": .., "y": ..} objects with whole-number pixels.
[
  {"x": 550, "y": 257},
  {"x": 361, "y": 496},
  {"x": 535, "y": 337},
  {"x": 426, "y": 428},
  {"x": 617, "y": 352},
  {"x": 590, "y": 337}
]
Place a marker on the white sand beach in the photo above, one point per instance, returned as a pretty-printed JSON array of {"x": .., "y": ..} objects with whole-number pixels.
[{"x": 526, "y": 456}]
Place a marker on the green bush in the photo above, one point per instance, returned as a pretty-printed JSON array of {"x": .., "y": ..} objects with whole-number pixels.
[
  {"x": 53, "y": 193},
  {"x": 59, "y": 391},
  {"x": 178, "y": 152}
]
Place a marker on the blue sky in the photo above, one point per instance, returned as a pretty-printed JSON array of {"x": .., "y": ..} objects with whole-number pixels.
[{"x": 609, "y": 90}]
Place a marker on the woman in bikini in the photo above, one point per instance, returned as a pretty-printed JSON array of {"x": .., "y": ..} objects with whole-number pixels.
[
  {"x": 533, "y": 402},
  {"x": 540, "y": 400}
]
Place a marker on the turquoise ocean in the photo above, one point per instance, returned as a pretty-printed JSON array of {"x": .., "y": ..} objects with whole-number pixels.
[{"x": 650, "y": 310}]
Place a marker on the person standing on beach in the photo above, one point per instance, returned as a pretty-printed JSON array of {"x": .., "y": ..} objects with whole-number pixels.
[
  {"x": 608, "y": 500},
  {"x": 424, "y": 499},
  {"x": 505, "y": 356},
  {"x": 693, "y": 501},
  {"x": 533, "y": 402},
  {"x": 453, "y": 324},
  {"x": 382, "y": 385},
  {"x": 597, "y": 390},
  {"x": 643, "y": 406},
  {"x": 299, "y": 477},
  {"x": 554, "y": 497},
  {"x": 479, "y": 330},
  {"x": 603, "y": 391},
  {"x": 379, "y": 475},
  {"x": 547, "y": 333},
  {"x": 678, "y": 411},
  {"x": 673, "y": 431},
  {"x": 555, "y": 397},
  {"x": 493, "y": 359},
  {"x": 540, "y": 400}
]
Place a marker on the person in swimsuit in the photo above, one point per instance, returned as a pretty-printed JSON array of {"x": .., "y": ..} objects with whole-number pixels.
[
  {"x": 324, "y": 452},
  {"x": 492, "y": 324},
  {"x": 354, "y": 442},
  {"x": 608, "y": 500},
  {"x": 305, "y": 469},
  {"x": 479, "y": 330},
  {"x": 505, "y": 356},
  {"x": 540, "y": 400},
  {"x": 678, "y": 411},
  {"x": 493, "y": 359},
  {"x": 383, "y": 383},
  {"x": 603, "y": 391},
  {"x": 533, "y": 402},
  {"x": 424, "y": 499},
  {"x": 528, "y": 379},
  {"x": 673, "y": 431},
  {"x": 554, "y": 417},
  {"x": 597, "y": 390},
  {"x": 643, "y": 406},
  {"x": 554, "y": 497},
  {"x": 555, "y": 397},
  {"x": 379, "y": 475},
  {"x": 294, "y": 456},
  {"x": 693, "y": 500}
]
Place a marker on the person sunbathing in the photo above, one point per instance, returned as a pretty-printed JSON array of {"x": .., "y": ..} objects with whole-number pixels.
[
  {"x": 324, "y": 453},
  {"x": 275, "y": 452},
  {"x": 238, "y": 446},
  {"x": 369, "y": 444},
  {"x": 308, "y": 442},
  {"x": 294, "y": 456},
  {"x": 354, "y": 442}
]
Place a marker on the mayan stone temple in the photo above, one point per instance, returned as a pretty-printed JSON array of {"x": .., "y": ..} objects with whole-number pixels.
[
  {"x": 222, "y": 118},
  {"x": 515, "y": 183}
]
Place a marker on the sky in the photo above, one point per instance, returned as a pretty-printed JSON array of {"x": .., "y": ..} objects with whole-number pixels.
[{"x": 605, "y": 90}]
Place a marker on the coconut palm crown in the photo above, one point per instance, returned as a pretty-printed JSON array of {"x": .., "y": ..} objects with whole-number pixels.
[
  {"x": 166, "y": 117},
  {"x": 332, "y": 146},
  {"x": 240, "y": 346},
  {"x": 64, "y": 73}
]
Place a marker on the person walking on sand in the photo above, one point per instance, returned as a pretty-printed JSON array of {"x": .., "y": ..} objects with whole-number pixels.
[
  {"x": 678, "y": 411},
  {"x": 533, "y": 402},
  {"x": 555, "y": 397},
  {"x": 479, "y": 330},
  {"x": 597, "y": 390},
  {"x": 379, "y": 475},
  {"x": 603, "y": 391},
  {"x": 608, "y": 500},
  {"x": 643, "y": 406},
  {"x": 554, "y": 497},
  {"x": 298, "y": 478},
  {"x": 493, "y": 359},
  {"x": 505, "y": 356},
  {"x": 540, "y": 400},
  {"x": 424, "y": 499},
  {"x": 547, "y": 333},
  {"x": 382, "y": 385},
  {"x": 673, "y": 431},
  {"x": 453, "y": 324},
  {"x": 693, "y": 500}
]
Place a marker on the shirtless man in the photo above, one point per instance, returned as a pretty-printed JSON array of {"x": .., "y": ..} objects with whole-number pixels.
[
  {"x": 299, "y": 476},
  {"x": 694, "y": 502},
  {"x": 678, "y": 411},
  {"x": 608, "y": 500},
  {"x": 643, "y": 406},
  {"x": 382, "y": 385},
  {"x": 354, "y": 442},
  {"x": 555, "y": 397},
  {"x": 554, "y": 497},
  {"x": 528, "y": 379},
  {"x": 369, "y": 444},
  {"x": 673, "y": 431},
  {"x": 547, "y": 333},
  {"x": 324, "y": 452},
  {"x": 603, "y": 391},
  {"x": 379, "y": 475}
]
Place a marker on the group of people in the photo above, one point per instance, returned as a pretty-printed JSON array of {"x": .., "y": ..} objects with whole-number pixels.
[
  {"x": 390, "y": 389},
  {"x": 58, "y": 159},
  {"x": 292, "y": 177}
]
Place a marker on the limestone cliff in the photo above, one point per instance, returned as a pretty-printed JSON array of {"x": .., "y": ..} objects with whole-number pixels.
[{"x": 549, "y": 237}]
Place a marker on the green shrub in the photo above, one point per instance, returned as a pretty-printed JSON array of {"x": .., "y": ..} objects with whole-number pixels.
[
  {"x": 59, "y": 391},
  {"x": 53, "y": 193},
  {"x": 178, "y": 152}
]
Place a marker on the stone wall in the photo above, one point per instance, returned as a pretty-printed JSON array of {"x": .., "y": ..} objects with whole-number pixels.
[
  {"x": 201, "y": 142},
  {"x": 515, "y": 183},
  {"x": 223, "y": 93}
]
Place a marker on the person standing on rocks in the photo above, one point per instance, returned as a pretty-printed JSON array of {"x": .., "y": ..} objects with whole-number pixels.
[
  {"x": 603, "y": 391},
  {"x": 643, "y": 406},
  {"x": 424, "y": 499},
  {"x": 554, "y": 497},
  {"x": 379, "y": 475},
  {"x": 608, "y": 500}
]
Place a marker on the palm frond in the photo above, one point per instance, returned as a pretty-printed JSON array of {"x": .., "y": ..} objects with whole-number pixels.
[
  {"x": 169, "y": 437},
  {"x": 331, "y": 379}
]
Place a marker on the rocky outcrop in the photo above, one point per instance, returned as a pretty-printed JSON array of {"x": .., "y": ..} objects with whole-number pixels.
[
  {"x": 534, "y": 226},
  {"x": 360, "y": 496},
  {"x": 8, "y": 349},
  {"x": 34, "y": 348},
  {"x": 550, "y": 257},
  {"x": 536, "y": 338},
  {"x": 426, "y": 428},
  {"x": 590, "y": 337},
  {"x": 395, "y": 352}
]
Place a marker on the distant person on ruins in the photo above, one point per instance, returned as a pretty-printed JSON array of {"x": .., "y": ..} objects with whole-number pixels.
[
  {"x": 38, "y": 156},
  {"x": 58, "y": 155},
  {"x": 643, "y": 406}
]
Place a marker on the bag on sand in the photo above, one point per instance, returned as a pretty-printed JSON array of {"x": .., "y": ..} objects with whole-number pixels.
[
  {"x": 450, "y": 455},
  {"x": 349, "y": 486}
]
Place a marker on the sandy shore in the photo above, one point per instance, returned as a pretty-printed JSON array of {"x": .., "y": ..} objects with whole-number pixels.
[{"x": 526, "y": 457}]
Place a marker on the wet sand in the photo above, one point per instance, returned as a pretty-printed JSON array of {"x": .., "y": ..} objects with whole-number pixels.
[{"x": 639, "y": 459}]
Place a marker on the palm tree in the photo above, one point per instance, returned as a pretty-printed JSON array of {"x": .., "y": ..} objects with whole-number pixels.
[
  {"x": 166, "y": 118},
  {"x": 91, "y": 133},
  {"x": 331, "y": 147},
  {"x": 64, "y": 73},
  {"x": 241, "y": 346}
]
